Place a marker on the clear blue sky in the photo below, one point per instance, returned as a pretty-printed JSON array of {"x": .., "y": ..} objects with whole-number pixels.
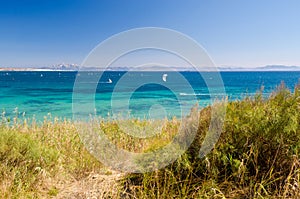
[{"x": 234, "y": 32}]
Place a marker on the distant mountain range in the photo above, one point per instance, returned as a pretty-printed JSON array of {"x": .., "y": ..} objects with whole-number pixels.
[
  {"x": 262, "y": 68},
  {"x": 74, "y": 67}
]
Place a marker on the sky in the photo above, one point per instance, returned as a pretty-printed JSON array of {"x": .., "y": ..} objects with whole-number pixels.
[{"x": 234, "y": 33}]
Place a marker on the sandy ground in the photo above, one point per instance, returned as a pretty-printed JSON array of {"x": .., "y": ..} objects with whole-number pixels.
[{"x": 92, "y": 187}]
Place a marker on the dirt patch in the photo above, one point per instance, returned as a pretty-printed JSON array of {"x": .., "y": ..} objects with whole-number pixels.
[{"x": 92, "y": 187}]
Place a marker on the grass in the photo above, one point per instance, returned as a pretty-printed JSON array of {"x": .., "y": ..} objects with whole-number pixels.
[
  {"x": 256, "y": 156},
  {"x": 35, "y": 159}
]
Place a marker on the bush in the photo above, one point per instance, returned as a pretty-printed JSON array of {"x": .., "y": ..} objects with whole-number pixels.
[
  {"x": 257, "y": 155},
  {"x": 24, "y": 162}
]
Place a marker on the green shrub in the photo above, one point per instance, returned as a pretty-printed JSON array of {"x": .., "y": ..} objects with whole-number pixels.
[
  {"x": 257, "y": 155},
  {"x": 24, "y": 161}
]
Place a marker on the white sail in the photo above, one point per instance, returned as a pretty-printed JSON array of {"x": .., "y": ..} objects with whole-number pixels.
[{"x": 164, "y": 77}]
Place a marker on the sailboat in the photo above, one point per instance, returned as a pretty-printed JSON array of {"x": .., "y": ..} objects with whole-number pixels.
[
  {"x": 164, "y": 77},
  {"x": 109, "y": 81}
]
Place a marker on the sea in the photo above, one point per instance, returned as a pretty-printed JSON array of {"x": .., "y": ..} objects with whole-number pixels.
[{"x": 41, "y": 95}]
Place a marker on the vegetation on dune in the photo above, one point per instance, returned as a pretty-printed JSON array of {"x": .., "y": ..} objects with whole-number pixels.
[
  {"x": 256, "y": 156},
  {"x": 37, "y": 159}
]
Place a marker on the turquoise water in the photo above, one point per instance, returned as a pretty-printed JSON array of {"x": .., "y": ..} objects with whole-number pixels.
[{"x": 135, "y": 94}]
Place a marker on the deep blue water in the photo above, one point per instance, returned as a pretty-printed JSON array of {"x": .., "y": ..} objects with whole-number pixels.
[{"x": 138, "y": 94}]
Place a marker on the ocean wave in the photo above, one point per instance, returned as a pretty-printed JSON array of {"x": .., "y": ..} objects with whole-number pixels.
[
  {"x": 201, "y": 94},
  {"x": 194, "y": 94}
]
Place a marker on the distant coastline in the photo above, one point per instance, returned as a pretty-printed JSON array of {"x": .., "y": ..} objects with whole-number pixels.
[
  {"x": 72, "y": 67},
  {"x": 31, "y": 69}
]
